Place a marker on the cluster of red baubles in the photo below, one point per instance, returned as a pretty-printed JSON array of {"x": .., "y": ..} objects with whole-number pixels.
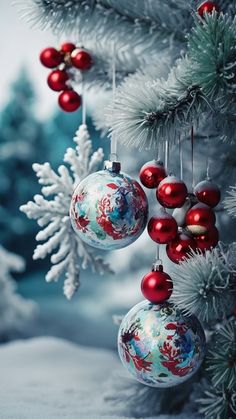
[
  {"x": 58, "y": 80},
  {"x": 192, "y": 225}
]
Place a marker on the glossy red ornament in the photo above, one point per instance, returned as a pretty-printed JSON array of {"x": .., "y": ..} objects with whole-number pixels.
[
  {"x": 152, "y": 173},
  {"x": 81, "y": 59},
  {"x": 208, "y": 240},
  {"x": 171, "y": 192},
  {"x": 180, "y": 248},
  {"x": 199, "y": 219},
  {"x": 207, "y": 7},
  {"x": 162, "y": 228},
  {"x": 208, "y": 193},
  {"x": 50, "y": 57},
  {"x": 57, "y": 80},
  {"x": 67, "y": 47},
  {"x": 157, "y": 286},
  {"x": 69, "y": 100}
]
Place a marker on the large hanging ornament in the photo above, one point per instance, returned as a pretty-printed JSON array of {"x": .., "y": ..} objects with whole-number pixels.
[
  {"x": 207, "y": 7},
  {"x": 162, "y": 228},
  {"x": 152, "y": 173},
  {"x": 157, "y": 285},
  {"x": 180, "y": 248},
  {"x": 208, "y": 240},
  {"x": 109, "y": 209},
  {"x": 160, "y": 346},
  {"x": 208, "y": 193},
  {"x": 199, "y": 219},
  {"x": 171, "y": 192}
]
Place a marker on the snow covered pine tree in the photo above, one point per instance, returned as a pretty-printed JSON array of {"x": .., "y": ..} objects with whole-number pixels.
[{"x": 175, "y": 69}]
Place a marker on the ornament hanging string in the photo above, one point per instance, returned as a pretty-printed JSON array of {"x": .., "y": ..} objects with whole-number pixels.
[
  {"x": 113, "y": 150},
  {"x": 208, "y": 159},
  {"x": 192, "y": 154},
  {"x": 166, "y": 154},
  {"x": 181, "y": 157},
  {"x": 84, "y": 110}
]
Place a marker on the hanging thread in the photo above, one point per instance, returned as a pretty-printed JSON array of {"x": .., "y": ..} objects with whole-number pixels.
[
  {"x": 181, "y": 157},
  {"x": 208, "y": 160},
  {"x": 113, "y": 154},
  {"x": 192, "y": 154},
  {"x": 84, "y": 110},
  {"x": 166, "y": 154}
]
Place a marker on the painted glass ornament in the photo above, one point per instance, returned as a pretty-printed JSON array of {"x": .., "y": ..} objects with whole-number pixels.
[
  {"x": 163, "y": 227},
  {"x": 180, "y": 248},
  {"x": 199, "y": 219},
  {"x": 208, "y": 193},
  {"x": 152, "y": 173},
  {"x": 109, "y": 210},
  {"x": 160, "y": 346},
  {"x": 172, "y": 192},
  {"x": 157, "y": 285}
]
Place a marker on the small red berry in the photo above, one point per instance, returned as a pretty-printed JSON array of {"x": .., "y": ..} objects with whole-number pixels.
[
  {"x": 67, "y": 47},
  {"x": 50, "y": 57},
  {"x": 81, "y": 59},
  {"x": 57, "y": 80},
  {"x": 69, "y": 101}
]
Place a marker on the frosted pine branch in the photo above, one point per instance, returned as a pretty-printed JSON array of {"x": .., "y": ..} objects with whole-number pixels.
[
  {"x": 230, "y": 201},
  {"x": 67, "y": 251},
  {"x": 205, "y": 285}
]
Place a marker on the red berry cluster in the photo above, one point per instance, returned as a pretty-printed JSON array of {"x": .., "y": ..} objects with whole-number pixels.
[
  {"x": 197, "y": 230},
  {"x": 58, "y": 80}
]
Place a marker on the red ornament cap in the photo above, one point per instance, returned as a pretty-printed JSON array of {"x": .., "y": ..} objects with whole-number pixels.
[
  {"x": 81, "y": 59},
  {"x": 157, "y": 286},
  {"x": 180, "y": 248},
  {"x": 69, "y": 100},
  {"x": 208, "y": 193},
  {"x": 57, "y": 80},
  {"x": 152, "y": 173},
  {"x": 67, "y": 47},
  {"x": 207, "y": 7},
  {"x": 209, "y": 240},
  {"x": 172, "y": 192},
  {"x": 199, "y": 219},
  {"x": 50, "y": 57},
  {"x": 162, "y": 228}
]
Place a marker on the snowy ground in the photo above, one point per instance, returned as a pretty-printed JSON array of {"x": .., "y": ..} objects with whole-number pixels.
[{"x": 49, "y": 378}]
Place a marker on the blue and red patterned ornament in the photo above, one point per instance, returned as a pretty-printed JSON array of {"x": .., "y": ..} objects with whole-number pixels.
[
  {"x": 159, "y": 345},
  {"x": 109, "y": 209}
]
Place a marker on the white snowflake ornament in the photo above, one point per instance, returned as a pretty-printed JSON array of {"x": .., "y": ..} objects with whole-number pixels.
[{"x": 68, "y": 252}]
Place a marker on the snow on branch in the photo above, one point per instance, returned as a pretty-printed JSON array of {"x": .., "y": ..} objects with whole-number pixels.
[
  {"x": 67, "y": 251},
  {"x": 230, "y": 201},
  {"x": 140, "y": 29},
  {"x": 205, "y": 285},
  {"x": 146, "y": 112}
]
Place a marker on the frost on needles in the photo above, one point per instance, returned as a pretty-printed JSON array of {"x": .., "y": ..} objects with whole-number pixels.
[{"x": 51, "y": 210}]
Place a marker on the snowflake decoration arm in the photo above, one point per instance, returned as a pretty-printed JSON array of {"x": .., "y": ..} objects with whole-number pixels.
[{"x": 52, "y": 215}]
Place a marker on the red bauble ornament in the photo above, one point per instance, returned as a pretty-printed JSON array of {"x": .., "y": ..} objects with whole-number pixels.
[
  {"x": 81, "y": 59},
  {"x": 67, "y": 47},
  {"x": 207, "y": 7},
  {"x": 57, "y": 80},
  {"x": 50, "y": 57},
  {"x": 199, "y": 219},
  {"x": 162, "y": 228},
  {"x": 152, "y": 173},
  {"x": 172, "y": 192},
  {"x": 179, "y": 248},
  {"x": 208, "y": 193},
  {"x": 69, "y": 101},
  {"x": 157, "y": 286},
  {"x": 208, "y": 240}
]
